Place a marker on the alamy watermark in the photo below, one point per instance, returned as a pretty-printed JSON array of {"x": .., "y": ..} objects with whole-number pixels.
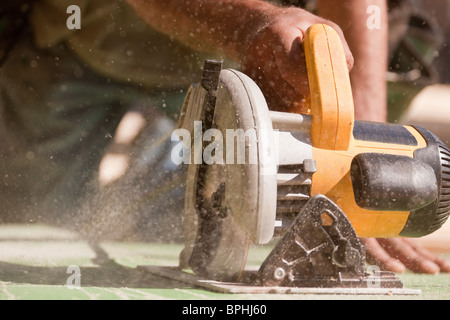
[
  {"x": 374, "y": 20},
  {"x": 234, "y": 146},
  {"x": 374, "y": 279},
  {"x": 74, "y": 20},
  {"x": 74, "y": 280}
]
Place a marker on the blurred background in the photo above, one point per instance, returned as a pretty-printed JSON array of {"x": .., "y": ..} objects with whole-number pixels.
[{"x": 419, "y": 77}]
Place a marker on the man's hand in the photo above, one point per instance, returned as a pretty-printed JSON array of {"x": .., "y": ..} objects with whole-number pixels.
[
  {"x": 266, "y": 39},
  {"x": 398, "y": 255},
  {"x": 275, "y": 59}
]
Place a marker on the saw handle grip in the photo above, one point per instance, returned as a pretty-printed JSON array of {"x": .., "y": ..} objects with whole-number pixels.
[{"x": 331, "y": 101}]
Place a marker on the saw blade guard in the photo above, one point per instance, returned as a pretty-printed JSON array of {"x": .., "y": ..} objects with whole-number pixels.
[{"x": 231, "y": 195}]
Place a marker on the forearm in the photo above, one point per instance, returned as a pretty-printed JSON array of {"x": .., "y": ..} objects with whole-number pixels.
[
  {"x": 370, "y": 50},
  {"x": 266, "y": 39},
  {"x": 207, "y": 25}
]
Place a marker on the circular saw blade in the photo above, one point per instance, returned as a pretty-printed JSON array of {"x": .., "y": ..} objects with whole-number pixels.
[{"x": 232, "y": 203}]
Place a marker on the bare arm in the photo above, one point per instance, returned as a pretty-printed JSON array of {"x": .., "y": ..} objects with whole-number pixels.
[
  {"x": 266, "y": 39},
  {"x": 207, "y": 24},
  {"x": 370, "y": 50}
]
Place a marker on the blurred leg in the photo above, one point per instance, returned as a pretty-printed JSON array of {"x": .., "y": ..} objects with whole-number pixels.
[{"x": 61, "y": 161}]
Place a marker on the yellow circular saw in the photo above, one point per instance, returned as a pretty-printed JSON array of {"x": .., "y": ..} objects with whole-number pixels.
[{"x": 319, "y": 181}]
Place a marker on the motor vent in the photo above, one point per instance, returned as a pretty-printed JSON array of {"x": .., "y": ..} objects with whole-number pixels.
[
  {"x": 443, "y": 209},
  {"x": 431, "y": 218}
]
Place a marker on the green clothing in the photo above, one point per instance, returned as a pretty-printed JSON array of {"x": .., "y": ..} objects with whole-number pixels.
[
  {"x": 58, "y": 120},
  {"x": 62, "y": 95},
  {"x": 116, "y": 43}
]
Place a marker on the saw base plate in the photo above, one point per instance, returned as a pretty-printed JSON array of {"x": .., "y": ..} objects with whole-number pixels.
[{"x": 245, "y": 287}]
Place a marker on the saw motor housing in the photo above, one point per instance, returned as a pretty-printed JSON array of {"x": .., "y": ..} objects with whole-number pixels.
[{"x": 389, "y": 180}]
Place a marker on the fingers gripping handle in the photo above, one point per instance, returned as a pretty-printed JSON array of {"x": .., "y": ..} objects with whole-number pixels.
[{"x": 332, "y": 107}]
